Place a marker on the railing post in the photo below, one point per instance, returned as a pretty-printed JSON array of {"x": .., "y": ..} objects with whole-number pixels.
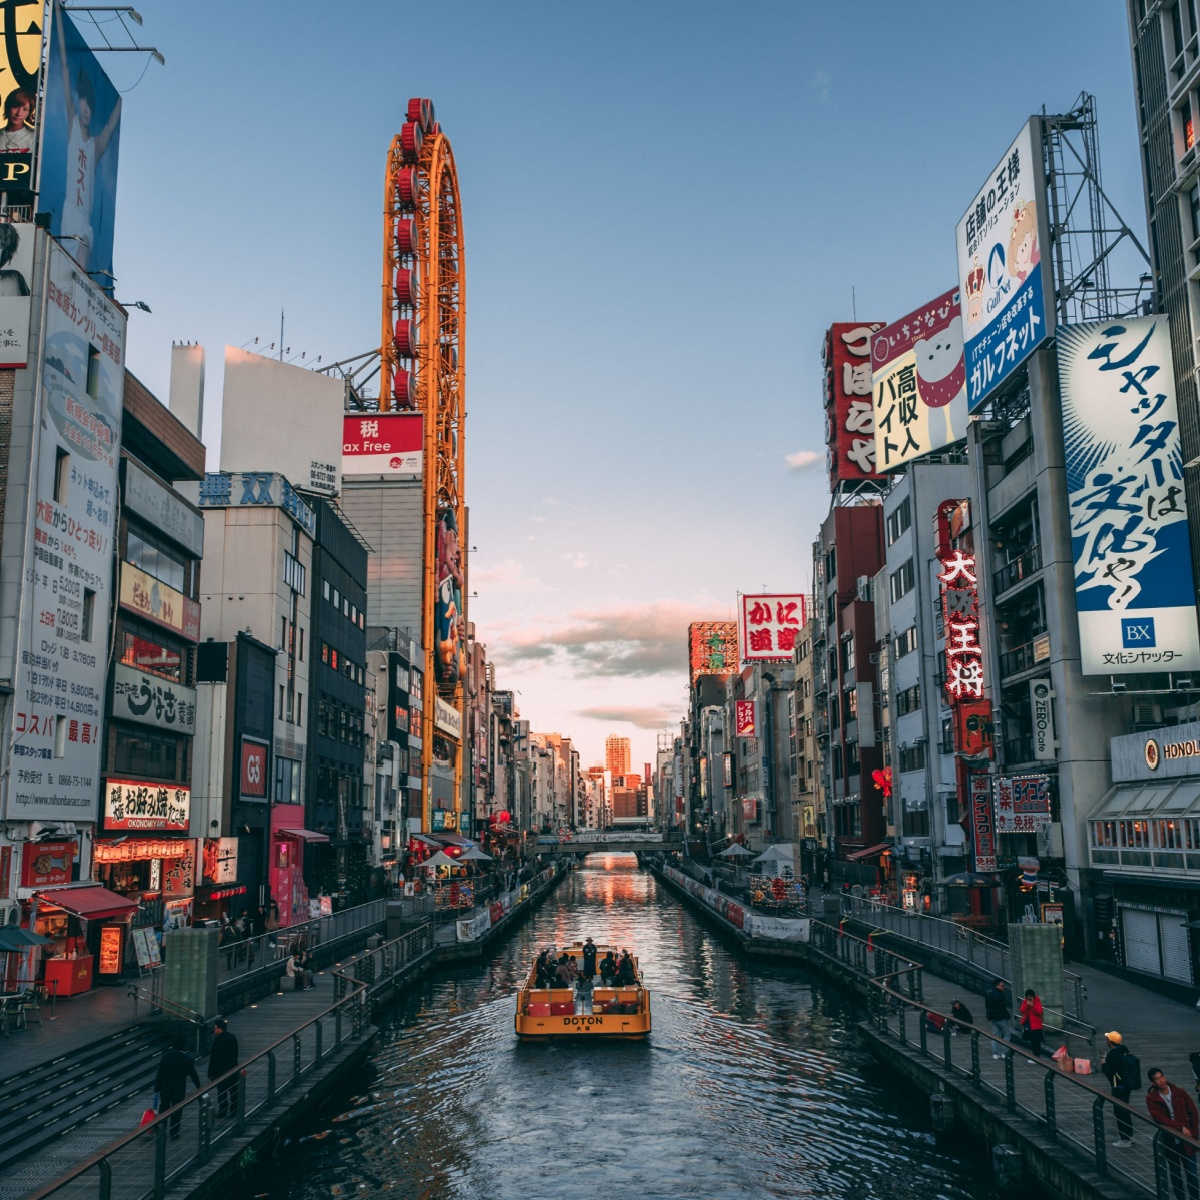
[
  {"x": 205, "y": 1132},
  {"x": 1098, "y": 1135},
  {"x": 239, "y": 1100},
  {"x": 1162, "y": 1187},
  {"x": 1010, "y": 1083},
  {"x": 296, "y": 1050},
  {"x": 160, "y": 1160},
  {"x": 320, "y": 1038},
  {"x": 337, "y": 1025},
  {"x": 902, "y": 1022},
  {"x": 1051, "y": 1115},
  {"x": 105, "y": 1192},
  {"x": 923, "y": 1036},
  {"x": 947, "y": 1047},
  {"x": 271, "y": 1077},
  {"x": 970, "y": 946},
  {"x": 975, "y": 1057}
]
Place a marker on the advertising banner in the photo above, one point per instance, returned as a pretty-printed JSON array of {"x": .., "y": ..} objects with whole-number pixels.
[
  {"x": 150, "y": 700},
  {"x": 449, "y": 611},
  {"x": 447, "y": 718},
  {"x": 252, "y": 780},
  {"x": 920, "y": 383},
  {"x": 61, "y": 673},
  {"x": 712, "y": 648},
  {"x": 1041, "y": 711},
  {"x": 849, "y": 407},
  {"x": 154, "y": 600},
  {"x": 770, "y": 625},
  {"x": 77, "y": 182},
  {"x": 982, "y": 826},
  {"x": 1022, "y": 803},
  {"x": 727, "y": 769},
  {"x": 179, "y": 873},
  {"x": 16, "y": 270},
  {"x": 170, "y": 514},
  {"x": 219, "y": 864},
  {"x": 383, "y": 444},
  {"x": 1128, "y": 513},
  {"x": 132, "y": 805},
  {"x": 252, "y": 489},
  {"x": 46, "y": 863},
  {"x": 744, "y": 722},
  {"x": 20, "y": 68},
  {"x": 1005, "y": 283},
  {"x": 750, "y": 808}
]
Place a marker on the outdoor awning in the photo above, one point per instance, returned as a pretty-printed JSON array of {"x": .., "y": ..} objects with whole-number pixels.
[
  {"x": 93, "y": 903},
  {"x": 1140, "y": 801},
  {"x": 424, "y": 837},
  {"x": 14, "y": 938},
  {"x": 869, "y": 852},
  {"x": 305, "y": 835},
  {"x": 452, "y": 839}
]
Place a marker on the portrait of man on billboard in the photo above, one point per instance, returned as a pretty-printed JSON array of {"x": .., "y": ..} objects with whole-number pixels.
[
  {"x": 449, "y": 618},
  {"x": 79, "y": 148}
]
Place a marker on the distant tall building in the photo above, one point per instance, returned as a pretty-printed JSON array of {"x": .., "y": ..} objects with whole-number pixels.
[{"x": 616, "y": 754}]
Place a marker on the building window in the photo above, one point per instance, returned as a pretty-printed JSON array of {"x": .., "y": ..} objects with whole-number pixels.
[
  {"x": 93, "y": 372},
  {"x": 901, "y": 581},
  {"x": 301, "y": 656},
  {"x": 283, "y": 633},
  {"x": 294, "y": 573},
  {"x": 362, "y": 619},
  {"x": 904, "y": 643},
  {"x": 912, "y": 758},
  {"x": 282, "y": 710},
  {"x": 899, "y": 521},
  {"x": 89, "y": 615},
  {"x": 60, "y": 737},
  {"x": 916, "y": 822},
  {"x": 337, "y": 598},
  {"x": 908, "y": 700},
  {"x": 62, "y": 473},
  {"x": 148, "y": 554},
  {"x": 144, "y": 754},
  {"x": 345, "y": 606},
  {"x": 325, "y": 589},
  {"x": 299, "y": 708},
  {"x": 325, "y": 652},
  {"x": 287, "y": 780},
  {"x": 152, "y": 655},
  {"x": 333, "y": 658}
]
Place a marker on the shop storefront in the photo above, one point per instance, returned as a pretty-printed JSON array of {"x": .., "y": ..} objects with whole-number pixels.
[
  {"x": 217, "y": 886},
  {"x": 157, "y": 873},
  {"x": 1144, "y": 851},
  {"x": 288, "y": 840},
  {"x": 88, "y": 929}
]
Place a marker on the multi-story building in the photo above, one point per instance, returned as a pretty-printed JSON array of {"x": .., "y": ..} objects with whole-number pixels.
[
  {"x": 337, "y": 623},
  {"x": 616, "y": 754},
  {"x": 808, "y": 814},
  {"x": 846, "y": 554},
  {"x": 145, "y": 847},
  {"x": 258, "y": 546}
]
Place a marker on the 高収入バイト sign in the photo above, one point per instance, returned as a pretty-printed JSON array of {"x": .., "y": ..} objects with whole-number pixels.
[
  {"x": 1129, "y": 521},
  {"x": 1006, "y": 289}
]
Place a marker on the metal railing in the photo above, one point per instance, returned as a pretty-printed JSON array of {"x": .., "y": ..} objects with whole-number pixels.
[
  {"x": 244, "y": 957},
  {"x": 1072, "y": 1110},
  {"x": 141, "y": 1165},
  {"x": 1017, "y": 570},
  {"x": 952, "y": 938}
]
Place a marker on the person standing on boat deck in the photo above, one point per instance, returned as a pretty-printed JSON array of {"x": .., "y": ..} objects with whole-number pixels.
[
  {"x": 608, "y": 969},
  {"x": 589, "y": 959},
  {"x": 625, "y": 974}
]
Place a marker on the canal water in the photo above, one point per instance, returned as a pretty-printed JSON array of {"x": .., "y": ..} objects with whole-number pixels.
[{"x": 752, "y": 1084}]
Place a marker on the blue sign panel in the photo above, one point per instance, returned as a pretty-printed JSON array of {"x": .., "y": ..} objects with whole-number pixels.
[{"x": 1134, "y": 592}]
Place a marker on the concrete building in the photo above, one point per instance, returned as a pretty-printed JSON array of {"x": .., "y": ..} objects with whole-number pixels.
[
  {"x": 616, "y": 754},
  {"x": 808, "y": 812}
]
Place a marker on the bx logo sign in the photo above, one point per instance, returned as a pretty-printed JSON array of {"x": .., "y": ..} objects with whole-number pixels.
[{"x": 1137, "y": 632}]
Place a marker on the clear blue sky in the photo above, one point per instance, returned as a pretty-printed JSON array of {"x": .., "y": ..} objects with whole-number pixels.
[{"x": 665, "y": 204}]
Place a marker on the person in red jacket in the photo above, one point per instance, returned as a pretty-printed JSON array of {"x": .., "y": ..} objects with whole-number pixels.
[
  {"x": 1031, "y": 1020},
  {"x": 1172, "y": 1108}
]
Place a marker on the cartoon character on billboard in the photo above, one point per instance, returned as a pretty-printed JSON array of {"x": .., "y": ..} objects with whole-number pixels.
[
  {"x": 942, "y": 374},
  {"x": 85, "y": 149},
  {"x": 975, "y": 292},
  {"x": 1022, "y": 242},
  {"x": 448, "y": 615}
]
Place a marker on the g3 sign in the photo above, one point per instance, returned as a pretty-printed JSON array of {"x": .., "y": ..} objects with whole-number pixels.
[{"x": 254, "y": 769}]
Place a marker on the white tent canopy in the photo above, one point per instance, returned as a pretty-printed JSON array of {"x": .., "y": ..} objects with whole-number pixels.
[
  {"x": 474, "y": 854},
  {"x": 440, "y": 859},
  {"x": 777, "y": 853},
  {"x": 737, "y": 850}
]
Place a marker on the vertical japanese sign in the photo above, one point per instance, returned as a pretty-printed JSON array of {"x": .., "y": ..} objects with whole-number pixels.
[
  {"x": 770, "y": 625},
  {"x": 1022, "y": 802},
  {"x": 712, "y": 648},
  {"x": 20, "y": 66},
  {"x": 960, "y": 610},
  {"x": 919, "y": 383},
  {"x": 849, "y": 411},
  {"x": 59, "y": 689},
  {"x": 744, "y": 722},
  {"x": 1129, "y": 522},
  {"x": 983, "y": 828},
  {"x": 1006, "y": 286}
]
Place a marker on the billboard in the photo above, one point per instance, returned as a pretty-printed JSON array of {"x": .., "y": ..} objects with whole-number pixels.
[
  {"x": 131, "y": 804},
  {"x": 1022, "y": 803},
  {"x": 20, "y": 67},
  {"x": 152, "y": 700},
  {"x": 16, "y": 270},
  {"x": 849, "y": 409},
  {"x": 263, "y": 397},
  {"x": 382, "y": 444},
  {"x": 61, "y": 672},
  {"x": 983, "y": 828},
  {"x": 77, "y": 176},
  {"x": 1005, "y": 283},
  {"x": 744, "y": 724},
  {"x": 770, "y": 625},
  {"x": 449, "y": 617},
  {"x": 712, "y": 648},
  {"x": 1128, "y": 515},
  {"x": 919, "y": 383},
  {"x": 252, "y": 774}
]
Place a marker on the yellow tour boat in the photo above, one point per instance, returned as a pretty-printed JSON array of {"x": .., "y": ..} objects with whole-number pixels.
[{"x": 588, "y": 1009}]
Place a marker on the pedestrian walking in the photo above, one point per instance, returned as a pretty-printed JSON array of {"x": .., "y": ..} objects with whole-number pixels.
[
  {"x": 997, "y": 1005},
  {"x": 174, "y": 1069},
  {"x": 589, "y": 959},
  {"x": 222, "y": 1058},
  {"x": 1031, "y": 1021},
  {"x": 1124, "y": 1073},
  {"x": 1172, "y": 1108}
]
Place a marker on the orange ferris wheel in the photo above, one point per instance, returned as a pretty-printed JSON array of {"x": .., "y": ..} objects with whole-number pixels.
[{"x": 421, "y": 369}]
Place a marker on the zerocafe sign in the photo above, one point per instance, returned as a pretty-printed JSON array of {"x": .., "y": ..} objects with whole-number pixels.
[
  {"x": 1006, "y": 288},
  {"x": 1041, "y": 711},
  {"x": 1125, "y": 498}
]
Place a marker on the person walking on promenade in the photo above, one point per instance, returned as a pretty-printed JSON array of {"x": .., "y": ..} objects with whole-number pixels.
[
  {"x": 174, "y": 1069},
  {"x": 222, "y": 1058},
  {"x": 1031, "y": 1021},
  {"x": 1123, "y": 1072},
  {"x": 997, "y": 1004},
  {"x": 1172, "y": 1108}
]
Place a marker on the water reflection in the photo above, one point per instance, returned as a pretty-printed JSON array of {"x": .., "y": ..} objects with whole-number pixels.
[{"x": 751, "y": 1085}]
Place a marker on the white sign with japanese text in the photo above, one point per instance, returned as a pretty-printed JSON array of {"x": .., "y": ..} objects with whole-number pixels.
[
  {"x": 16, "y": 276},
  {"x": 1006, "y": 286},
  {"x": 1129, "y": 520},
  {"x": 769, "y": 627},
  {"x": 62, "y": 667}
]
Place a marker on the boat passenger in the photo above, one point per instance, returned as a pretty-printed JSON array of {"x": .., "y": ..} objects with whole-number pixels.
[
  {"x": 608, "y": 969},
  {"x": 567, "y": 972},
  {"x": 625, "y": 972},
  {"x": 589, "y": 959}
]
